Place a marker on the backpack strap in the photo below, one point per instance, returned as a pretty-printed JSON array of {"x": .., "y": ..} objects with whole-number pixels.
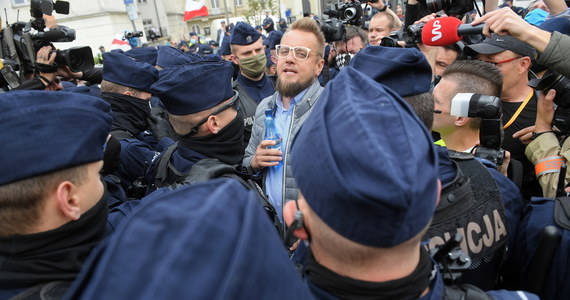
[
  {"x": 465, "y": 292},
  {"x": 122, "y": 135},
  {"x": 164, "y": 166},
  {"x": 210, "y": 168},
  {"x": 44, "y": 291},
  {"x": 562, "y": 212}
]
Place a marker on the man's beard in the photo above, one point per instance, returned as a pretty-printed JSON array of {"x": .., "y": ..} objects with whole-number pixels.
[{"x": 292, "y": 89}]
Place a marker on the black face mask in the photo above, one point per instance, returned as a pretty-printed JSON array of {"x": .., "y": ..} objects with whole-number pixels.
[
  {"x": 129, "y": 113},
  {"x": 55, "y": 255},
  {"x": 407, "y": 288},
  {"x": 226, "y": 145}
]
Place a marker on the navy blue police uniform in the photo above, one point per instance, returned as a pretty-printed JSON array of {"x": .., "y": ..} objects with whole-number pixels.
[
  {"x": 408, "y": 73},
  {"x": 370, "y": 200},
  {"x": 251, "y": 91},
  {"x": 50, "y": 132},
  {"x": 131, "y": 114},
  {"x": 209, "y": 83},
  {"x": 208, "y": 240}
]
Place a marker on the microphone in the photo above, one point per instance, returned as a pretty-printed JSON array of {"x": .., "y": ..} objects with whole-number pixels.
[{"x": 447, "y": 31}]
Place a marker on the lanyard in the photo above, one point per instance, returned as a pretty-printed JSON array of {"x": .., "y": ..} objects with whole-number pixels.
[{"x": 518, "y": 112}]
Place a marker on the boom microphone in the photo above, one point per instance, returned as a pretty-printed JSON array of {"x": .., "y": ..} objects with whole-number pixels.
[{"x": 447, "y": 31}]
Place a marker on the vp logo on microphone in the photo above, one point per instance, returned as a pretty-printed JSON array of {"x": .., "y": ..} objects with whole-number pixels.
[{"x": 436, "y": 31}]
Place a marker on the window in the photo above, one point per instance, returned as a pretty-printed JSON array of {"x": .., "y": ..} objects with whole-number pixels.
[
  {"x": 141, "y": 1},
  {"x": 238, "y": 2},
  {"x": 207, "y": 31},
  {"x": 18, "y": 3},
  {"x": 196, "y": 29},
  {"x": 215, "y": 3},
  {"x": 147, "y": 22}
]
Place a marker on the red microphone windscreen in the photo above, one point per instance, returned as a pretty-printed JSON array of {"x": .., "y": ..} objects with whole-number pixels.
[{"x": 441, "y": 31}]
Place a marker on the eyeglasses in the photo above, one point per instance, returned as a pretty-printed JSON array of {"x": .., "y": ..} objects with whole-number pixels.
[
  {"x": 232, "y": 103},
  {"x": 504, "y": 61},
  {"x": 299, "y": 52}
]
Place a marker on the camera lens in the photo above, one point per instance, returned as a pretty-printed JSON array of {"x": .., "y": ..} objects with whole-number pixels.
[{"x": 350, "y": 13}]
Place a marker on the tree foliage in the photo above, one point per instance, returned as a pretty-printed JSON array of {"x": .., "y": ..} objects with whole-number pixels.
[{"x": 256, "y": 9}]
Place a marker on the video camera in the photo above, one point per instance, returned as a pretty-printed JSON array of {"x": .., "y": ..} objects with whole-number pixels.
[
  {"x": 552, "y": 80},
  {"x": 489, "y": 109},
  {"x": 132, "y": 34},
  {"x": 455, "y": 8},
  {"x": 349, "y": 13},
  {"x": 22, "y": 40},
  {"x": 411, "y": 37}
]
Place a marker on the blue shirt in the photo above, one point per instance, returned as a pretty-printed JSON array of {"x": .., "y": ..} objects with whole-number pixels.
[{"x": 274, "y": 178}]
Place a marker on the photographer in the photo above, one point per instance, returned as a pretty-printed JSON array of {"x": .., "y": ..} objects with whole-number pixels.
[
  {"x": 551, "y": 46},
  {"x": 47, "y": 77},
  {"x": 382, "y": 23},
  {"x": 49, "y": 74},
  {"x": 545, "y": 147}
]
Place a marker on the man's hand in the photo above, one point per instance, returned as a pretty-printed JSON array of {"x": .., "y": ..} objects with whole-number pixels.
[
  {"x": 544, "y": 117},
  {"x": 505, "y": 21},
  {"x": 378, "y": 5},
  {"x": 265, "y": 157},
  {"x": 65, "y": 72},
  {"x": 525, "y": 135},
  {"x": 545, "y": 111},
  {"x": 426, "y": 18}
]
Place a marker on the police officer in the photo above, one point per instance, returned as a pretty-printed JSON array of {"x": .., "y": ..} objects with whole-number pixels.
[
  {"x": 252, "y": 83},
  {"x": 54, "y": 208},
  {"x": 203, "y": 110},
  {"x": 126, "y": 86},
  {"x": 408, "y": 73},
  {"x": 268, "y": 24},
  {"x": 365, "y": 223},
  {"x": 144, "y": 54},
  {"x": 168, "y": 57},
  {"x": 208, "y": 240}
]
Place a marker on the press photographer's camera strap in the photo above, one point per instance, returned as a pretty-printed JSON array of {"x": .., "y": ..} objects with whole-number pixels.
[{"x": 518, "y": 112}]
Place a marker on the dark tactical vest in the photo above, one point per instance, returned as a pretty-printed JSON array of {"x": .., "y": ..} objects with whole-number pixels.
[
  {"x": 209, "y": 168},
  {"x": 248, "y": 105},
  {"x": 471, "y": 205}
]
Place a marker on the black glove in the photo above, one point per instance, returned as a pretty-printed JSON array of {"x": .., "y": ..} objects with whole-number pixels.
[{"x": 159, "y": 125}]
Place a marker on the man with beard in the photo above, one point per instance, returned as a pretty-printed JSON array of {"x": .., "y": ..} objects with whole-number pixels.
[
  {"x": 252, "y": 84},
  {"x": 299, "y": 62},
  {"x": 53, "y": 209},
  {"x": 204, "y": 111}
]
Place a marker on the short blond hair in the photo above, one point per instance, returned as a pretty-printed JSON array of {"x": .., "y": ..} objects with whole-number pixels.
[{"x": 309, "y": 25}]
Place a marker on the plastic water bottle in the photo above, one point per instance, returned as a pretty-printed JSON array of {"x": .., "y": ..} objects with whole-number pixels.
[{"x": 271, "y": 132}]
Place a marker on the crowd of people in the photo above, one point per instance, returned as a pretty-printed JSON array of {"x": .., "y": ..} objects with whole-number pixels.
[{"x": 424, "y": 172}]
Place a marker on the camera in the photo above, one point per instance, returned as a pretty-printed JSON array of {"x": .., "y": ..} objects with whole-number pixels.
[
  {"x": 332, "y": 29},
  {"x": 489, "y": 109},
  {"x": 22, "y": 40},
  {"x": 411, "y": 37},
  {"x": 349, "y": 13},
  {"x": 450, "y": 7},
  {"x": 552, "y": 80},
  {"x": 132, "y": 34}
]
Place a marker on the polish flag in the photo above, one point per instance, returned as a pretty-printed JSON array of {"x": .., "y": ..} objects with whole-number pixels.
[
  {"x": 120, "y": 44},
  {"x": 195, "y": 9}
]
